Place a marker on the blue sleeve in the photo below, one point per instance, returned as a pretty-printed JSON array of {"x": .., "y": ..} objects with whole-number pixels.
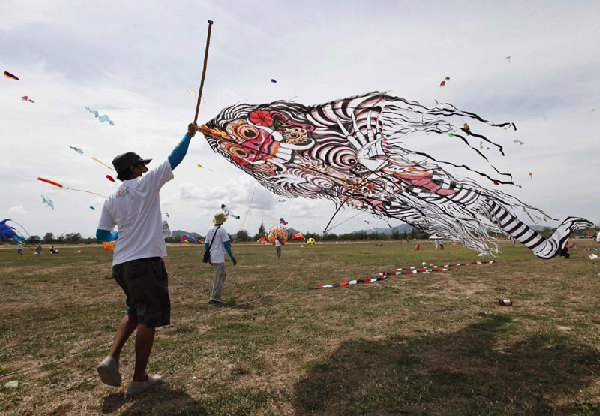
[
  {"x": 206, "y": 246},
  {"x": 228, "y": 248},
  {"x": 180, "y": 151},
  {"x": 105, "y": 235}
]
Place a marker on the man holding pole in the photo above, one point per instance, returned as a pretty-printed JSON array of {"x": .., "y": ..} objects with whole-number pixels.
[{"x": 137, "y": 260}]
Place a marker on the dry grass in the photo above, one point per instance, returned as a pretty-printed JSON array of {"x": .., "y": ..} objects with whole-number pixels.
[{"x": 414, "y": 344}]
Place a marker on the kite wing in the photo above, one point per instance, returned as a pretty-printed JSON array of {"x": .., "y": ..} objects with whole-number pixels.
[{"x": 353, "y": 151}]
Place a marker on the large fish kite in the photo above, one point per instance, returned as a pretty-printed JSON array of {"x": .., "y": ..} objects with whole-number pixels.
[{"x": 356, "y": 151}]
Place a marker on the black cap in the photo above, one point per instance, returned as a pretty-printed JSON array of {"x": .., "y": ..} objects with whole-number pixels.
[{"x": 124, "y": 161}]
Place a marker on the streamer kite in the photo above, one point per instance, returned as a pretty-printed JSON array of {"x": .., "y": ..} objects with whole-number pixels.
[
  {"x": 11, "y": 76},
  {"x": 65, "y": 187},
  {"x": 357, "y": 152},
  {"x": 110, "y": 178},
  {"x": 443, "y": 83},
  {"x": 26, "y": 98},
  {"x": 47, "y": 201},
  {"x": 403, "y": 270},
  {"x": 100, "y": 118}
]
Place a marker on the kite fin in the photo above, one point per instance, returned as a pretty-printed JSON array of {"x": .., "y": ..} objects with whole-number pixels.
[{"x": 545, "y": 248}]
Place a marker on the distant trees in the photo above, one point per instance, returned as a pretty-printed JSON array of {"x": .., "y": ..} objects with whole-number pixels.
[
  {"x": 261, "y": 232},
  {"x": 242, "y": 235},
  {"x": 49, "y": 237}
]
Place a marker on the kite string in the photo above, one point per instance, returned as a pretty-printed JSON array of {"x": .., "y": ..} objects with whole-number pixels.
[{"x": 247, "y": 210}]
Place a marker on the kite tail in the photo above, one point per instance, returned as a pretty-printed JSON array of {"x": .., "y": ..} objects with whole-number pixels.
[{"x": 545, "y": 248}]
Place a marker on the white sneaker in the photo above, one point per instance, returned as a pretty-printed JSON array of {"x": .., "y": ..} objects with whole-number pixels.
[
  {"x": 137, "y": 387},
  {"x": 109, "y": 372}
]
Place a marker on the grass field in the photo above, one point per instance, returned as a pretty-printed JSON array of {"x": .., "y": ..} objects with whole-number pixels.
[{"x": 431, "y": 344}]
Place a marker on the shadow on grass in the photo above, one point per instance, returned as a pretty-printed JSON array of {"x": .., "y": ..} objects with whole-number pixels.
[
  {"x": 159, "y": 401},
  {"x": 456, "y": 373}
]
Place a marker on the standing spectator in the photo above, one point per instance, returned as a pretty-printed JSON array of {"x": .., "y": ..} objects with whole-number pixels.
[
  {"x": 20, "y": 249},
  {"x": 138, "y": 266},
  {"x": 38, "y": 249},
  {"x": 278, "y": 248},
  {"x": 217, "y": 241}
]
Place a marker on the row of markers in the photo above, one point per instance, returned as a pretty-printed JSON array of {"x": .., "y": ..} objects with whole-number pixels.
[{"x": 405, "y": 270}]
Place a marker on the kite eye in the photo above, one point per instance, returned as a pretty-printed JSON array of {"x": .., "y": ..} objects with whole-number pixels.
[
  {"x": 249, "y": 132},
  {"x": 238, "y": 151}
]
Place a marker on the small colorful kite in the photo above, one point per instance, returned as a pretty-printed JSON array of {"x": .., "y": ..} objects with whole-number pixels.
[
  {"x": 71, "y": 189},
  {"x": 274, "y": 81},
  {"x": 110, "y": 178},
  {"x": 200, "y": 166},
  {"x": 508, "y": 58},
  {"x": 11, "y": 76},
  {"x": 229, "y": 213},
  {"x": 47, "y": 201},
  {"x": 26, "y": 98},
  {"x": 92, "y": 208},
  {"x": 282, "y": 221},
  {"x": 443, "y": 83},
  {"x": 531, "y": 175},
  {"x": 102, "y": 119},
  {"x": 78, "y": 150}
]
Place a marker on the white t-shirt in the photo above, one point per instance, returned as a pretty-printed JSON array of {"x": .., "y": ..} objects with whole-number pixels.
[
  {"x": 135, "y": 209},
  {"x": 217, "y": 251},
  {"x": 277, "y": 243},
  {"x": 598, "y": 238}
]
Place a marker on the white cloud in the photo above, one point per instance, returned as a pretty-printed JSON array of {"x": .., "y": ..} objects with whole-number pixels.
[{"x": 17, "y": 209}]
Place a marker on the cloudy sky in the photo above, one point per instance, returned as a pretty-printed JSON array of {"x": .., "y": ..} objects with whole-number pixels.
[{"x": 136, "y": 60}]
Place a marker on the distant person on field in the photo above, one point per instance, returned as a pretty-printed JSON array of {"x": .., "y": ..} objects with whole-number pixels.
[
  {"x": 278, "y": 248},
  {"x": 138, "y": 266},
  {"x": 217, "y": 240},
  {"x": 53, "y": 250},
  {"x": 20, "y": 249},
  {"x": 38, "y": 249}
]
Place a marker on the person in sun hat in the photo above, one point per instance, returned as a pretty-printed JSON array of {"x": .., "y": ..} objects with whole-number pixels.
[
  {"x": 217, "y": 241},
  {"x": 138, "y": 267}
]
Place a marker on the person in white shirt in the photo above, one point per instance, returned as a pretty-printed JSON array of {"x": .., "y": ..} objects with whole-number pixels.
[
  {"x": 138, "y": 266},
  {"x": 278, "y": 248},
  {"x": 217, "y": 241},
  {"x": 20, "y": 249}
]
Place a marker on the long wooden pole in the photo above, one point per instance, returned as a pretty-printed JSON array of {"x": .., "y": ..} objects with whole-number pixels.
[{"x": 210, "y": 22}]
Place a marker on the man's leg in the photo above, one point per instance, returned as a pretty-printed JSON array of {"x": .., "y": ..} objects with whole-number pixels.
[
  {"x": 218, "y": 282},
  {"x": 126, "y": 328},
  {"x": 144, "y": 338}
]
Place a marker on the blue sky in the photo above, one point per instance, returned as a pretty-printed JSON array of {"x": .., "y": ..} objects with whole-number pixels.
[{"x": 136, "y": 60}]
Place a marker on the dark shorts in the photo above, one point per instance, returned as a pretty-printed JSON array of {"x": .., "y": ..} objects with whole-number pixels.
[{"x": 146, "y": 285}]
